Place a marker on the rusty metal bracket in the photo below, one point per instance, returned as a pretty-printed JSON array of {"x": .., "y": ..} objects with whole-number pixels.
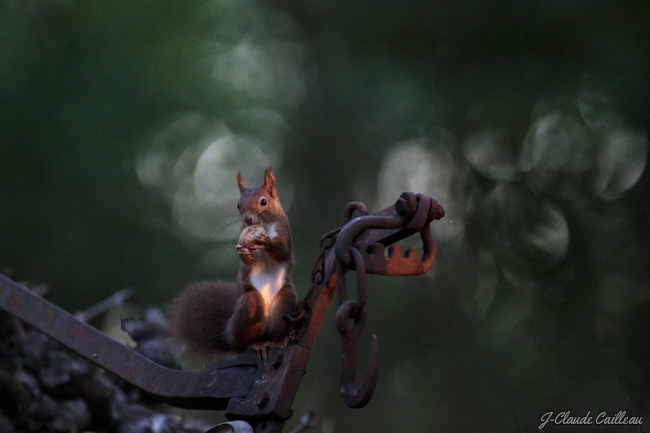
[
  {"x": 262, "y": 392},
  {"x": 412, "y": 213}
]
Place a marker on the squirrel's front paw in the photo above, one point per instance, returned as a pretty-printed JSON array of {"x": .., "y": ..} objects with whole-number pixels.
[
  {"x": 254, "y": 238},
  {"x": 245, "y": 254},
  {"x": 260, "y": 241}
]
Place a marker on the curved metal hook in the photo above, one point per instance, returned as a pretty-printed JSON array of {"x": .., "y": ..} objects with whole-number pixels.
[{"x": 352, "y": 396}]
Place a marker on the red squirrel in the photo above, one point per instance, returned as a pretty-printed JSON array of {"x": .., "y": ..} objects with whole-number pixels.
[{"x": 212, "y": 318}]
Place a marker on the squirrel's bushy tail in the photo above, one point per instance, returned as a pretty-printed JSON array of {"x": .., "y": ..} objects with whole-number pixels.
[{"x": 199, "y": 317}]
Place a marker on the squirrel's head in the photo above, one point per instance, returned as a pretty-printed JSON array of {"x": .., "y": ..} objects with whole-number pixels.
[{"x": 258, "y": 204}]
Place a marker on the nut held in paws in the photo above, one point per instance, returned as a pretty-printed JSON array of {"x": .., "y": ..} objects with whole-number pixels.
[{"x": 249, "y": 234}]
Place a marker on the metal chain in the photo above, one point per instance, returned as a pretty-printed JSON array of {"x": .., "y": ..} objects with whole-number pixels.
[
  {"x": 326, "y": 242},
  {"x": 317, "y": 277},
  {"x": 360, "y": 267},
  {"x": 354, "y": 395}
]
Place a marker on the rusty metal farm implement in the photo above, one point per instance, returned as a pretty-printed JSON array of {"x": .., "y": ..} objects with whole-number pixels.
[{"x": 258, "y": 394}]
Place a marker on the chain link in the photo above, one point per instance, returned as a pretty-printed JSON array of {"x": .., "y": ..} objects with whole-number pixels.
[{"x": 326, "y": 242}]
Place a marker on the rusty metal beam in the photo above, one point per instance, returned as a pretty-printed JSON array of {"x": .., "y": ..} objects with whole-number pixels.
[{"x": 209, "y": 389}]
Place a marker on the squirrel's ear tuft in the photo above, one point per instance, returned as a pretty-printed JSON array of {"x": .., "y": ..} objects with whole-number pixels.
[
  {"x": 240, "y": 182},
  {"x": 269, "y": 182}
]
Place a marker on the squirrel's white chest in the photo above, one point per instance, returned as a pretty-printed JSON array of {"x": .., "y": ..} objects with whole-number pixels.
[
  {"x": 270, "y": 231},
  {"x": 268, "y": 277}
]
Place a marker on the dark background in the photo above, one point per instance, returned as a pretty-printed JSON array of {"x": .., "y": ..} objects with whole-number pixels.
[{"x": 123, "y": 124}]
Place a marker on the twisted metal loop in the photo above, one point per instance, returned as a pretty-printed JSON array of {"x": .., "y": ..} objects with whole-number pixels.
[{"x": 361, "y": 209}]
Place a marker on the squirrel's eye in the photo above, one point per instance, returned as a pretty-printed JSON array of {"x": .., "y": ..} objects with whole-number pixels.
[
  {"x": 237, "y": 206},
  {"x": 263, "y": 202}
]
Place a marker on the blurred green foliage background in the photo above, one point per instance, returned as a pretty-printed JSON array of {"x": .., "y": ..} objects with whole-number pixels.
[{"x": 123, "y": 124}]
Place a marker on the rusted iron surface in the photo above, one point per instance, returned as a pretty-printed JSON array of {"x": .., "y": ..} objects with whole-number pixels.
[
  {"x": 274, "y": 387},
  {"x": 261, "y": 392}
]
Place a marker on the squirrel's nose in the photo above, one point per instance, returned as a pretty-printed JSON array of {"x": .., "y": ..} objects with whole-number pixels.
[{"x": 248, "y": 220}]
